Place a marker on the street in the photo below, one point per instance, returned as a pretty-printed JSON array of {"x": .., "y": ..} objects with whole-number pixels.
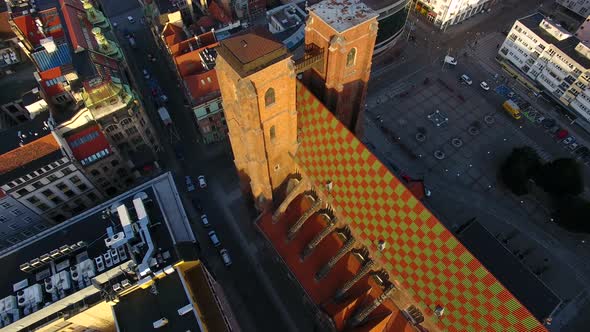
[{"x": 250, "y": 283}]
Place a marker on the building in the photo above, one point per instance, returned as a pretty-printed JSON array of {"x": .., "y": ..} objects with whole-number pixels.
[
  {"x": 449, "y": 12},
  {"x": 16, "y": 112},
  {"x": 549, "y": 58},
  {"x": 36, "y": 172},
  {"x": 18, "y": 222},
  {"x": 9, "y": 50},
  {"x": 368, "y": 255},
  {"x": 578, "y": 7},
  {"x": 193, "y": 59},
  {"x": 128, "y": 264},
  {"x": 287, "y": 22},
  {"x": 84, "y": 80}
]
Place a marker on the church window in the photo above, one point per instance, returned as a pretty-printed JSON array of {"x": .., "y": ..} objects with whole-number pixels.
[
  {"x": 273, "y": 133},
  {"x": 269, "y": 97},
  {"x": 351, "y": 57}
]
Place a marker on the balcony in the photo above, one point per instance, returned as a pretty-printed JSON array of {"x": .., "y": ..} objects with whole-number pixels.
[{"x": 312, "y": 57}]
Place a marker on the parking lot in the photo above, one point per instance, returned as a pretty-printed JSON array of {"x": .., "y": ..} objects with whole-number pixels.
[{"x": 454, "y": 136}]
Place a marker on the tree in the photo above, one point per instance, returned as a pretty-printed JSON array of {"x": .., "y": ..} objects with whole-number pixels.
[
  {"x": 561, "y": 177},
  {"x": 573, "y": 213},
  {"x": 521, "y": 165}
]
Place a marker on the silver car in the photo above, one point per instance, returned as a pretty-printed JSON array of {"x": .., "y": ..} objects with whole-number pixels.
[{"x": 189, "y": 184}]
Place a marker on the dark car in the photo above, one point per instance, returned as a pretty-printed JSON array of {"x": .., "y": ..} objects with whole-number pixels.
[
  {"x": 554, "y": 129},
  {"x": 582, "y": 151},
  {"x": 548, "y": 123}
]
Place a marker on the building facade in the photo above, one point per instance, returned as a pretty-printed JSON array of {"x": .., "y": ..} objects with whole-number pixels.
[
  {"x": 579, "y": 7},
  {"x": 444, "y": 13},
  {"x": 367, "y": 254},
  {"x": 551, "y": 59},
  {"x": 18, "y": 222}
]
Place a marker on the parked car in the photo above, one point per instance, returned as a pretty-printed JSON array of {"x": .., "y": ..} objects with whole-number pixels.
[
  {"x": 130, "y": 19},
  {"x": 205, "y": 220},
  {"x": 164, "y": 98},
  {"x": 510, "y": 94},
  {"x": 189, "y": 184},
  {"x": 466, "y": 79},
  {"x": 225, "y": 257},
  {"x": 214, "y": 239},
  {"x": 450, "y": 60},
  {"x": 484, "y": 86},
  {"x": 582, "y": 151},
  {"x": 146, "y": 74},
  {"x": 548, "y": 123},
  {"x": 569, "y": 140},
  {"x": 573, "y": 146},
  {"x": 561, "y": 134},
  {"x": 553, "y": 130},
  {"x": 202, "y": 182}
]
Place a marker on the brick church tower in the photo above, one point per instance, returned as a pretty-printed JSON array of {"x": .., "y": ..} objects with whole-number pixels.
[
  {"x": 257, "y": 82},
  {"x": 346, "y": 31}
]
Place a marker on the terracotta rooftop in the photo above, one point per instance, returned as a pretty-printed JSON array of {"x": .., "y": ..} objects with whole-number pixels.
[
  {"x": 27, "y": 153},
  {"x": 5, "y": 29},
  {"x": 203, "y": 84},
  {"x": 252, "y": 45},
  {"x": 79, "y": 27},
  {"x": 343, "y": 14},
  {"x": 26, "y": 25},
  {"x": 420, "y": 253},
  {"x": 173, "y": 34}
]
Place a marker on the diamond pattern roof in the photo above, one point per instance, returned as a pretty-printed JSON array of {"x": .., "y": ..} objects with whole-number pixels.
[{"x": 421, "y": 253}]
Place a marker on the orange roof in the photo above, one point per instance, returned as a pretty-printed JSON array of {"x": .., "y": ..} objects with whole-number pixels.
[
  {"x": 420, "y": 253},
  {"x": 202, "y": 85},
  {"x": 78, "y": 25},
  {"x": 51, "y": 82},
  {"x": 172, "y": 34},
  {"x": 189, "y": 63},
  {"x": 321, "y": 292},
  {"x": 28, "y": 153},
  {"x": 218, "y": 13},
  {"x": 26, "y": 25}
]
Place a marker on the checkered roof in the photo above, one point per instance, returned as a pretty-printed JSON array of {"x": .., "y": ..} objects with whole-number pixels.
[{"x": 420, "y": 252}]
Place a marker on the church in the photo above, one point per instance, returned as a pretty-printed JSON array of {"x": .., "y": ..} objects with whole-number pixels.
[{"x": 367, "y": 253}]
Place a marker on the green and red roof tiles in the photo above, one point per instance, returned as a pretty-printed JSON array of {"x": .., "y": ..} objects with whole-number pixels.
[{"x": 421, "y": 253}]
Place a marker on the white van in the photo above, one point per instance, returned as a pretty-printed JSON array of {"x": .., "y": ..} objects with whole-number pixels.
[{"x": 450, "y": 60}]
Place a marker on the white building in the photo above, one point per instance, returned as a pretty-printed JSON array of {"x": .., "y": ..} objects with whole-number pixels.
[
  {"x": 580, "y": 7},
  {"x": 448, "y": 12},
  {"x": 553, "y": 58}
]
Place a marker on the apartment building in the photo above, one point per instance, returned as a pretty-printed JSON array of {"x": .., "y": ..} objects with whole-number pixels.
[
  {"x": 579, "y": 7},
  {"x": 82, "y": 74},
  {"x": 444, "y": 13},
  {"x": 127, "y": 264},
  {"x": 553, "y": 59},
  {"x": 35, "y": 171},
  {"x": 18, "y": 222}
]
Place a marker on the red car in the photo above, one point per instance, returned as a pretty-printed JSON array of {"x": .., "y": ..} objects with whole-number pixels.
[{"x": 561, "y": 134}]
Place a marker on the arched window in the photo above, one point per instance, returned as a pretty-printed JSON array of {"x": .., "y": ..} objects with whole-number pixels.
[
  {"x": 125, "y": 122},
  {"x": 269, "y": 97},
  {"x": 351, "y": 57},
  {"x": 273, "y": 133}
]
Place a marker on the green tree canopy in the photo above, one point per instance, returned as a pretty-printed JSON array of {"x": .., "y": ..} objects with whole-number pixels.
[
  {"x": 561, "y": 177},
  {"x": 521, "y": 165},
  {"x": 573, "y": 213}
]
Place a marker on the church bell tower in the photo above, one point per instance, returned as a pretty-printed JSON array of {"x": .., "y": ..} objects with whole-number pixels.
[
  {"x": 257, "y": 81},
  {"x": 346, "y": 31}
]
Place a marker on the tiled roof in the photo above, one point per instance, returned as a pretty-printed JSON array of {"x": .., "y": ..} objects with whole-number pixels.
[
  {"x": 420, "y": 252},
  {"x": 51, "y": 81},
  {"x": 202, "y": 85},
  {"x": 87, "y": 142},
  {"x": 172, "y": 34},
  {"x": 79, "y": 27},
  {"x": 28, "y": 153},
  {"x": 321, "y": 292},
  {"x": 51, "y": 23},
  {"x": 26, "y": 25},
  {"x": 251, "y": 46},
  {"x": 218, "y": 13}
]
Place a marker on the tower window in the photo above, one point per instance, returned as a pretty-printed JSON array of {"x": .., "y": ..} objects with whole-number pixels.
[
  {"x": 273, "y": 133},
  {"x": 269, "y": 97},
  {"x": 351, "y": 58}
]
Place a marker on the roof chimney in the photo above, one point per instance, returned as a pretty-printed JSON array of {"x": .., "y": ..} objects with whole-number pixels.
[{"x": 244, "y": 43}]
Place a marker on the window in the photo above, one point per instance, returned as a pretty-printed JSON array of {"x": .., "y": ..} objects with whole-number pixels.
[
  {"x": 33, "y": 200},
  {"x": 84, "y": 139},
  {"x": 92, "y": 197},
  {"x": 28, "y": 220},
  {"x": 47, "y": 193},
  {"x": 126, "y": 122},
  {"x": 5, "y": 205},
  {"x": 131, "y": 130},
  {"x": 118, "y": 136},
  {"x": 37, "y": 185},
  {"x": 351, "y": 58},
  {"x": 17, "y": 212},
  {"x": 22, "y": 192},
  {"x": 269, "y": 97},
  {"x": 82, "y": 187},
  {"x": 273, "y": 133},
  {"x": 3, "y": 219},
  {"x": 61, "y": 186},
  {"x": 66, "y": 171},
  {"x": 13, "y": 226},
  {"x": 69, "y": 193},
  {"x": 52, "y": 177},
  {"x": 111, "y": 128},
  {"x": 56, "y": 200},
  {"x": 43, "y": 207}
]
